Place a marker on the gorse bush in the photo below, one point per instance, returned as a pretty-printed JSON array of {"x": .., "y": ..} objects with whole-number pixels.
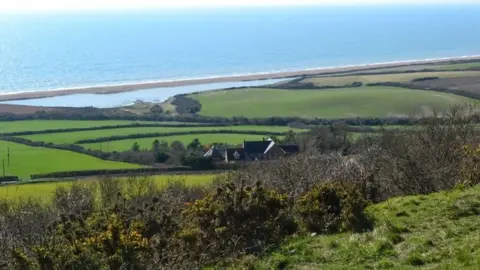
[
  {"x": 135, "y": 225},
  {"x": 236, "y": 220},
  {"x": 332, "y": 207},
  {"x": 470, "y": 170}
]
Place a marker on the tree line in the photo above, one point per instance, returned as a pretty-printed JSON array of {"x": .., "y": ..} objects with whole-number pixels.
[{"x": 164, "y": 134}]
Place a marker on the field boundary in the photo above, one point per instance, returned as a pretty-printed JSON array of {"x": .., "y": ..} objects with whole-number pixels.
[
  {"x": 459, "y": 92},
  {"x": 179, "y": 133},
  {"x": 66, "y": 130}
]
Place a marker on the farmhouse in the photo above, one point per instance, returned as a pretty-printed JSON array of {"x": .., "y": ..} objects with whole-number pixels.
[{"x": 253, "y": 151}]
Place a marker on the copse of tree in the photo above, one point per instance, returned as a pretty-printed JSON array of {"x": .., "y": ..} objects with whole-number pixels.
[{"x": 156, "y": 109}]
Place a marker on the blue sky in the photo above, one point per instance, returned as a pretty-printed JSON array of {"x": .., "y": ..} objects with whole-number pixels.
[{"x": 64, "y": 5}]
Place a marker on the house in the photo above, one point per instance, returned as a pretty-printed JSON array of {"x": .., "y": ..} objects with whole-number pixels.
[
  {"x": 214, "y": 153},
  {"x": 254, "y": 150},
  {"x": 234, "y": 154},
  {"x": 290, "y": 149}
]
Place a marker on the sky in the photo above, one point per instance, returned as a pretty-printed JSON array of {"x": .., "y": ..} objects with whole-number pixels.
[{"x": 76, "y": 5}]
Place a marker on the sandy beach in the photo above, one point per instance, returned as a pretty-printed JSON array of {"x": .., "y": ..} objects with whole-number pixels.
[{"x": 112, "y": 89}]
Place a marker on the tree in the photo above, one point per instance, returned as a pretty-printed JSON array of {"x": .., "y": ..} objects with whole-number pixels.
[
  {"x": 136, "y": 147},
  {"x": 163, "y": 144},
  {"x": 275, "y": 139},
  {"x": 195, "y": 144},
  {"x": 177, "y": 146},
  {"x": 290, "y": 137},
  {"x": 156, "y": 146},
  {"x": 157, "y": 109},
  {"x": 161, "y": 157}
]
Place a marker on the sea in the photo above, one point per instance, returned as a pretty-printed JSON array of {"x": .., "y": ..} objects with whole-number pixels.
[{"x": 55, "y": 51}]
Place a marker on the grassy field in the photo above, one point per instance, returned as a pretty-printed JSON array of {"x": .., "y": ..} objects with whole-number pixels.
[
  {"x": 35, "y": 125},
  {"x": 438, "y": 231},
  {"x": 146, "y": 143},
  {"x": 401, "y": 77},
  {"x": 26, "y": 160},
  {"x": 44, "y": 191},
  {"x": 334, "y": 103},
  {"x": 72, "y": 137},
  {"x": 443, "y": 67}
]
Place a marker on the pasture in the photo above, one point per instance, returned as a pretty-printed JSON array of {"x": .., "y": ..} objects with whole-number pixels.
[
  {"x": 146, "y": 143},
  {"x": 44, "y": 191},
  {"x": 72, "y": 137},
  {"x": 27, "y": 160},
  {"x": 37, "y": 125},
  {"x": 400, "y": 77},
  {"x": 432, "y": 67},
  {"x": 329, "y": 103}
]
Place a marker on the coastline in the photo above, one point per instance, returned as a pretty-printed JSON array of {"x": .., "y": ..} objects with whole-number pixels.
[{"x": 128, "y": 87}]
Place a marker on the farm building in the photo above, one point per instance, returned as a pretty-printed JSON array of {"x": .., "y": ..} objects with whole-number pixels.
[{"x": 253, "y": 150}]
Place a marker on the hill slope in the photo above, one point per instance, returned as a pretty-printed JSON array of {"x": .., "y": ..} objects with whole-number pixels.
[
  {"x": 330, "y": 103},
  {"x": 439, "y": 231}
]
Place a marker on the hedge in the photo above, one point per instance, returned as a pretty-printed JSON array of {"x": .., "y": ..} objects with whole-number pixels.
[
  {"x": 139, "y": 125},
  {"x": 163, "y": 134},
  {"x": 6, "y": 179},
  {"x": 67, "y": 174}
]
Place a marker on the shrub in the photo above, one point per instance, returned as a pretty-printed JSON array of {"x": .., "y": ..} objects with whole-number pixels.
[
  {"x": 332, "y": 207},
  {"x": 470, "y": 171},
  {"x": 235, "y": 220}
]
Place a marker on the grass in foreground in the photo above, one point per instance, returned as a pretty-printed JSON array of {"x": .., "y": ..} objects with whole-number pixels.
[
  {"x": 72, "y": 137},
  {"x": 439, "y": 231},
  {"x": 27, "y": 160},
  {"x": 45, "y": 191},
  {"x": 334, "y": 103},
  {"x": 146, "y": 143},
  {"x": 401, "y": 77}
]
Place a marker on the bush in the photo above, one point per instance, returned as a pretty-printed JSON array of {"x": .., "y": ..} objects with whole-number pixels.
[
  {"x": 235, "y": 220},
  {"x": 470, "y": 171},
  {"x": 332, "y": 207}
]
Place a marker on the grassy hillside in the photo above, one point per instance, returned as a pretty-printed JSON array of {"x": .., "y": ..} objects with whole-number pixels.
[
  {"x": 26, "y": 160},
  {"x": 34, "y": 125},
  {"x": 44, "y": 191},
  {"x": 439, "y": 231},
  {"x": 146, "y": 143},
  {"x": 401, "y": 77},
  {"x": 72, "y": 137},
  {"x": 334, "y": 103},
  {"x": 436, "y": 67}
]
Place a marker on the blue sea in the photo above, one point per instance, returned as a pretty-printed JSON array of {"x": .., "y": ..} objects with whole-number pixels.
[{"x": 52, "y": 51}]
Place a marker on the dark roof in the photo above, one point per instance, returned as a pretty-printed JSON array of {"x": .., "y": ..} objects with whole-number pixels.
[
  {"x": 214, "y": 152},
  {"x": 290, "y": 148},
  {"x": 256, "y": 147},
  {"x": 231, "y": 153}
]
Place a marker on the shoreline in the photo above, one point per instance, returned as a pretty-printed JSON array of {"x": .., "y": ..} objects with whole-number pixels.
[{"x": 129, "y": 87}]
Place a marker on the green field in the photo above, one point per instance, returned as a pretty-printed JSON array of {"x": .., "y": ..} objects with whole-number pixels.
[
  {"x": 442, "y": 67},
  {"x": 44, "y": 191},
  {"x": 401, "y": 77},
  {"x": 146, "y": 143},
  {"x": 438, "y": 231},
  {"x": 457, "y": 66},
  {"x": 36, "y": 125},
  {"x": 332, "y": 103},
  {"x": 71, "y": 137},
  {"x": 26, "y": 160}
]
